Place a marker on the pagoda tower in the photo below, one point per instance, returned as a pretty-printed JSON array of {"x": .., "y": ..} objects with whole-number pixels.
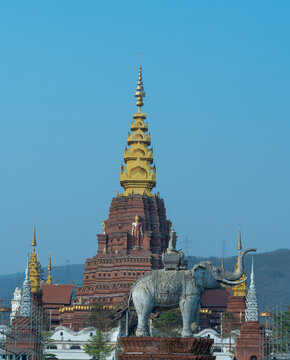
[
  {"x": 136, "y": 232},
  {"x": 251, "y": 343}
]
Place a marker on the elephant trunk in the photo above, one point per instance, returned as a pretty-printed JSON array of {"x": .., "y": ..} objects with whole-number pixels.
[{"x": 240, "y": 270}]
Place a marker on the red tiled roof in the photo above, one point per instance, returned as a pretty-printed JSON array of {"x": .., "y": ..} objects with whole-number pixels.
[
  {"x": 57, "y": 294},
  {"x": 217, "y": 297}
]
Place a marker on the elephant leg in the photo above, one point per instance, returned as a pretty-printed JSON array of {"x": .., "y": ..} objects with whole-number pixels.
[
  {"x": 195, "y": 324},
  {"x": 143, "y": 305},
  {"x": 186, "y": 309}
]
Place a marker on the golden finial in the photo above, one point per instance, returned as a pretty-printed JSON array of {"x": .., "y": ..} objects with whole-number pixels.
[
  {"x": 240, "y": 240},
  {"x": 49, "y": 278},
  {"x": 34, "y": 276},
  {"x": 49, "y": 262},
  {"x": 140, "y": 93},
  {"x": 33, "y": 238},
  {"x": 222, "y": 266},
  {"x": 240, "y": 289}
]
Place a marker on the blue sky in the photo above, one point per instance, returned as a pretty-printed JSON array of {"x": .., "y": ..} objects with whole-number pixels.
[{"x": 217, "y": 81}]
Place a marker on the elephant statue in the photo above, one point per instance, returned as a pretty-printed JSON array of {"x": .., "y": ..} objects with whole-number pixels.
[{"x": 183, "y": 288}]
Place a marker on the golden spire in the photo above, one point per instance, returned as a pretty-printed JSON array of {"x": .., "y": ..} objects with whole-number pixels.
[
  {"x": 240, "y": 241},
  {"x": 49, "y": 278},
  {"x": 138, "y": 176},
  {"x": 33, "y": 244},
  {"x": 240, "y": 289},
  {"x": 33, "y": 267},
  {"x": 140, "y": 93}
]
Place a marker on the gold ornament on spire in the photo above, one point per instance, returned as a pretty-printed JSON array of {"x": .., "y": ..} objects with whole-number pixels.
[
  {"x": 240, "y": 289},
  {"x": 33, "y": 244},
  {"x": 240, "y": 241},
  {"x": 49, "y": 278},
  {"x": 138, "y": 176},
  {"x": 34, "y": 277}
]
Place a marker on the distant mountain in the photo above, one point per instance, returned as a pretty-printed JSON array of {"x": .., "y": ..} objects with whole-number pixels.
[
  {"x": 61, "y": 274},
  {"x": 272, "y": 276}
]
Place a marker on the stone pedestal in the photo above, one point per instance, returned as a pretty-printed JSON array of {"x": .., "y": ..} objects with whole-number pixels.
[{"x": 146, "y": 348}]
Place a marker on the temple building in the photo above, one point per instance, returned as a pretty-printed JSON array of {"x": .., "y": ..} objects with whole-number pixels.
[
  {"x": 54, "y": 297},
  {"x": 136, "y": 232}
]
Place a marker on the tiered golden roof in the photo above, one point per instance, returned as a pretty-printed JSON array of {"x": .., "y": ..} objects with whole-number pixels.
[
  {"x": 34, "y": 277},
  {"x": 240, "y": 289},
  {"x": 49, "y": 278},
  {"x": 138, "y": 176}
]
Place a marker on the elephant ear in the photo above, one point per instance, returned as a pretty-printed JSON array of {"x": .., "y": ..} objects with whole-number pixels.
[{"x": 198, "y": 273}]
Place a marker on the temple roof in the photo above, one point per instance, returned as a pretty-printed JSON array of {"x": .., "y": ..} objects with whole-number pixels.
[
  {"x": 217, "y": 297},
  {"x": 57, "y": 294}
]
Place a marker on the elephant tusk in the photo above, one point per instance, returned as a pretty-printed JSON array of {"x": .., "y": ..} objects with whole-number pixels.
[{"x": 233, "y": 282}]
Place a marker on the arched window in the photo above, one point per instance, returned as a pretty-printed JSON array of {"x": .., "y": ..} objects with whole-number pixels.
[{"x": 253, "y": 357}]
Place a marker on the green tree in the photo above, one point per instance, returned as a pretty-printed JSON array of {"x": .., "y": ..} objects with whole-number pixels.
[
  {"x": 281, "y": 331},
  {"x": 47, "y": 342},
  {"x": 168, "y": 324},
  {"x": 98, "y": 346},
  {"x": 103, "y": 318}
]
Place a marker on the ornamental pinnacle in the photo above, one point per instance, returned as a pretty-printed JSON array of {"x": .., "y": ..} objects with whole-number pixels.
[
  {"x": 138, "y": 176},
  {"x": 34, "y": 277}
]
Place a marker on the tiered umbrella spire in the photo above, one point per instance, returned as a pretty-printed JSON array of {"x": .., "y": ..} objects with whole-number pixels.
[{"x": 252, "y": 311}]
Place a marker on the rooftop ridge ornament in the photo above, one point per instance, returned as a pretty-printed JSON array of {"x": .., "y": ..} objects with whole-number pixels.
[
  {"x": 138, "y": 176},
  {"x": 252, "y": 313}
]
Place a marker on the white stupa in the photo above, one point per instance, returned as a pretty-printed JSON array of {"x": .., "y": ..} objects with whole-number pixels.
[{"x": 252, "y": 310}]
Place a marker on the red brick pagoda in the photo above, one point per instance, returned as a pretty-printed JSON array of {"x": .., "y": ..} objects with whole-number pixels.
[{"x": 136, "y": 231}]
